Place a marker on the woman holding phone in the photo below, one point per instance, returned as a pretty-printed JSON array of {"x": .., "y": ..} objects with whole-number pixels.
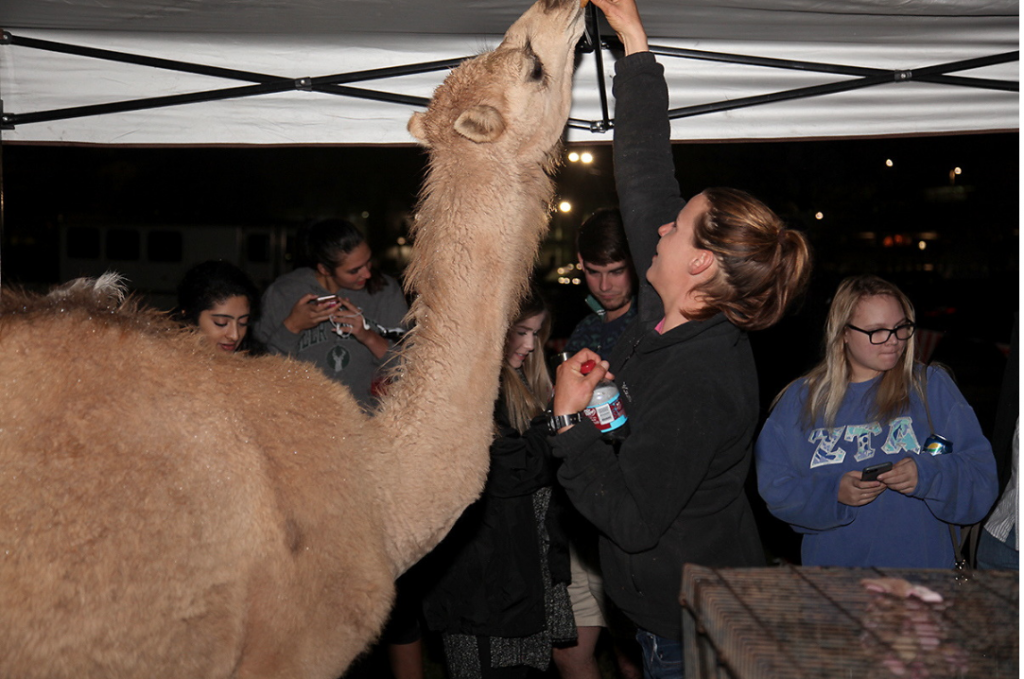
[
  {"x": 844, "y": 457},
  {"x": 330, "y": 309}
]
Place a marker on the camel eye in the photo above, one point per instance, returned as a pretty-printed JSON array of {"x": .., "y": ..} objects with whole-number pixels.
[{"x": 538, "y": 70}]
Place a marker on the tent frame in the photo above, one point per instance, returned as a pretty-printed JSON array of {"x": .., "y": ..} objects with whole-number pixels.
[{"x": 592, "y": 41}]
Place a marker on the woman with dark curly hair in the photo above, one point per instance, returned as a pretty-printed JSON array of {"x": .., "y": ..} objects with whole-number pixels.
[{"x": 218, "y": 298}]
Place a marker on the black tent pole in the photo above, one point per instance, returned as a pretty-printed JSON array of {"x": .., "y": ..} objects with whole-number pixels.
[
  {"x": 265, "y": 84},
  {"x": 596, "y": 44},
  {"x": 880, "y": 77}
]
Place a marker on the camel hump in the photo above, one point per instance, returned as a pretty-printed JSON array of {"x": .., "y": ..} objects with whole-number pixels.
[
  {"x": 107, "y": 291},
  {"x": 104, "y": 293},
  {"x": 103, "y": 300}
]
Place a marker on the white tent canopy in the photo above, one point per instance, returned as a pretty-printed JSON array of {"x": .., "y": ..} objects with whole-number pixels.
[{"x": 284, "y": 49}]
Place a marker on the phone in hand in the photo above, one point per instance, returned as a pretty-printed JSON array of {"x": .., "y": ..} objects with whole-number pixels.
[
  {"x": 323, "y": 298},
  {"x": 871, "y": 472}
]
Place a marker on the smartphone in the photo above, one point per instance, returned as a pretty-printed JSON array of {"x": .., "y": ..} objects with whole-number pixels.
[
  {"x": 324, "y": 298},
  {"x": 871, "y": 472}
]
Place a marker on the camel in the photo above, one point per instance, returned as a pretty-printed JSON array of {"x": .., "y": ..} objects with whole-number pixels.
[{"x": 168, "y": 512}]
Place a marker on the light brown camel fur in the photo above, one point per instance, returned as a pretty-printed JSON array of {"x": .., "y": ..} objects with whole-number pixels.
[{"x": 168, "y": 512}]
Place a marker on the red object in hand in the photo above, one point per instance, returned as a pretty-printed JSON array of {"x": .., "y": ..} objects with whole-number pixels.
[{"x": 587, "y": 366}]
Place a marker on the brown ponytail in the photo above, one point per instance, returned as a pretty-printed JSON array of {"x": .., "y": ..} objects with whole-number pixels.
[{"x": 762, "y": 265}]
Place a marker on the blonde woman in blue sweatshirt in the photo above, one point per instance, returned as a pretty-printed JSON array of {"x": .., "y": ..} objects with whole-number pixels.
[{"x": 869, "y": 402}]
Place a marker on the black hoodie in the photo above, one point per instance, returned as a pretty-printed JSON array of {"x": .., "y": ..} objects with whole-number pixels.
[{"x": 674, "y": 491}]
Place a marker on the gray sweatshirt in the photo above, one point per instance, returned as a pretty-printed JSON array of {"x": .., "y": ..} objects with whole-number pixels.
[{"x": 346, "y": 360}]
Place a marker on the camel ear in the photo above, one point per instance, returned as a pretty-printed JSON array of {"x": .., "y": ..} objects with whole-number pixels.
[
  {"x": 417, "y": 129},
  {"x": 480, "y": 123}
]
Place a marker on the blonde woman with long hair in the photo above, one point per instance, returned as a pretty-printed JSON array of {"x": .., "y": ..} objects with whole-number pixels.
[
  {"x": 869, "y": 403},
  {"x": 500, "y": 596}
]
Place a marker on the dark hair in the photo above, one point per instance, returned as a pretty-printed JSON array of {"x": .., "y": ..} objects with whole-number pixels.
[
  {"x": 208, "y": 284},
  {"x": 326, "y": 242},
  {"x": 762, "y": 265},
  {"x": 602, "y": 238}
]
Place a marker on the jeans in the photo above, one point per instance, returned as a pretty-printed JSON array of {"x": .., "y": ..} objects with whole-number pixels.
[
  {"x": 663, "y": 658},
  {"x": 993, "y": 554}
]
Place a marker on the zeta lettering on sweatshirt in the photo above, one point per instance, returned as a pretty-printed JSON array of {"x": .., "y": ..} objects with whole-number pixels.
[{"x": 833, "y": 444}]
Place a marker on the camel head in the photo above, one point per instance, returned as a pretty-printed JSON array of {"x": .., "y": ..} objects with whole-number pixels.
[{"x": 515, "y": 99}]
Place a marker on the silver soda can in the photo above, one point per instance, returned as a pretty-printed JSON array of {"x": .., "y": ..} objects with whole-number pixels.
[{"x": 938, "y": 445}]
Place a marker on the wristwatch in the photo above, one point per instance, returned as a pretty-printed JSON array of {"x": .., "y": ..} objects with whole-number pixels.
[{"x": 556, "y": 422}]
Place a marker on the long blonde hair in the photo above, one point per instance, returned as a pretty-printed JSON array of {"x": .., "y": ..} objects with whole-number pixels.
[
  {"x": 828, "y": 381},
  {"x": 527, "y": 399}
]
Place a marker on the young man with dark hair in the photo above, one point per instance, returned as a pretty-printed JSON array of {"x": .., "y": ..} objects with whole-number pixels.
[{"x": 608, "y": 270}]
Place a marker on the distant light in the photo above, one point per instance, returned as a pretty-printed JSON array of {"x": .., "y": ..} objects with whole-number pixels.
[
  {"x": 576, "y": 281},
  {"x": 578, "y": 266},
  {"x": 401, "y": 240},
  {"x": 921, "y": 245},
  {"x": 888, "y": 162},
  {"x": 587, "y": 157},
  {"x": 819, "y": 215},
  {"x": 957, "y": 170},
  {"x": 574, "y": 157},
  {"x": 366, "y": 215},
  {"x": 565, "y": 206}
]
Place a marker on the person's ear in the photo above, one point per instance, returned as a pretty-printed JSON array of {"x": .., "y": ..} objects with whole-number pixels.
[
  {"x": 701, "y": 262},
  {"x": 322, "y": 270}
]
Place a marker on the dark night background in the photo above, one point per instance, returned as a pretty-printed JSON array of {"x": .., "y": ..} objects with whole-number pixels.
[{"x": 874, "y": 218}]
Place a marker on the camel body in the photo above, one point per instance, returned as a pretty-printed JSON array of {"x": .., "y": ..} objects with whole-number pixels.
[{"x": 168, "y": 512}]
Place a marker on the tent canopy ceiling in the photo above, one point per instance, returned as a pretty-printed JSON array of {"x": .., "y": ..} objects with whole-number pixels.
[
  {"x": 310, "y": 39},
  {"x": 777, "y": 20}
]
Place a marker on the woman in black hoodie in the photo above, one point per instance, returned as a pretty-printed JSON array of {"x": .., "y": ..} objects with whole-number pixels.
[{"x": 716, "y": 267}]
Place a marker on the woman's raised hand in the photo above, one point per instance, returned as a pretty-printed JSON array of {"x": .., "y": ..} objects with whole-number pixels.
[{"x": 624, "y": 18}]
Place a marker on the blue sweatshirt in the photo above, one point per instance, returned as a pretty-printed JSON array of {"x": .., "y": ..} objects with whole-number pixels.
[{"x": 799, "y": 470}]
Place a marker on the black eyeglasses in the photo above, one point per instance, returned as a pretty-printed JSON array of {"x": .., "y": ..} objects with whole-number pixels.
[{"x": 882, "y": 335}]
